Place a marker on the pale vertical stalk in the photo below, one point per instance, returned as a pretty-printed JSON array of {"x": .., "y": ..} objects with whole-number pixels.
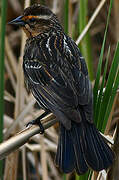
[
  {"x": 26, "y": 4},
  {"x": 116, "y": 18},
  {"x": 43, "y": 159},
  {"x": 70, "y": 14},
  {"x": 55, "y": 6},
  {"x": 24, "y": 163},
  {"x": 36, "y": 165},
  {"x": 11, "y": 165},
  {"x": 21, "y": 70},
  {"x": 19, "y": 105},
  {"x": 10, "y": 72},
  {"x": 22, "y": 94},
  {"x": 11, "y": 58},
  {"x": 96, "y": 12},
  {"x": 94, "y": 175}
]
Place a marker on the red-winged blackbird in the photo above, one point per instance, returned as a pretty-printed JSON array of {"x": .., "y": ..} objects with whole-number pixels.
[{"x": 57, "y": 76}]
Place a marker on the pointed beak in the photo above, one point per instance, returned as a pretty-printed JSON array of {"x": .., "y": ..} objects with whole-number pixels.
[{"x": 17, "y": 21}]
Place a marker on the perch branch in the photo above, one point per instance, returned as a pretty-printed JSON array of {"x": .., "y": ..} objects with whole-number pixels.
[{"x": 22, "y": 137}]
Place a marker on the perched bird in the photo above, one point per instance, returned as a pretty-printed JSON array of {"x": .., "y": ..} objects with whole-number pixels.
[{"x": 57, "y": 75}]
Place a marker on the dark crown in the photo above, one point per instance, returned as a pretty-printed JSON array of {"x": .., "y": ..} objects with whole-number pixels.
[{"x": 36, "y": 10}]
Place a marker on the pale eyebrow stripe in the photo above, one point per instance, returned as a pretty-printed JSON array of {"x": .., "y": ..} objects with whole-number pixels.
[
  {"x": 44, "y": 16},
  {"x": 39, "y": 17}
]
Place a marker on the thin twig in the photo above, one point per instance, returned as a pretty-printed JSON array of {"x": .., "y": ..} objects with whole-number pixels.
[{"x": 8, "y": 96}]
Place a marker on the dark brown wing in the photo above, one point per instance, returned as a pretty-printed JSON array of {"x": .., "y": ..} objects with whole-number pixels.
[
  {"x": 62, "y": 51},
  {"x": 59, "y": 79},
  {"x": 51, "y": 92}
]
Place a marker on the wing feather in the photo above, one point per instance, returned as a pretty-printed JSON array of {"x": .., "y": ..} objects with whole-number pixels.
[{"x": 59, "y": 76}]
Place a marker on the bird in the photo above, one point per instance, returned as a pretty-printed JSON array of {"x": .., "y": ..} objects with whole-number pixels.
[{"x": 56, "y": 74}]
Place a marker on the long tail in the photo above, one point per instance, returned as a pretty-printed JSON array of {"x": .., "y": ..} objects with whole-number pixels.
[{"x": 82, "y": 147}]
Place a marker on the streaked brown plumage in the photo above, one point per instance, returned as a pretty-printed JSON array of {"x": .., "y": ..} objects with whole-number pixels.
[{"x": 57, "y": 76}]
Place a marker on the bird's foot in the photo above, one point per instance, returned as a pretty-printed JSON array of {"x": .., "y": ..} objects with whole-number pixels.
[{"x": 36, "y": 122}]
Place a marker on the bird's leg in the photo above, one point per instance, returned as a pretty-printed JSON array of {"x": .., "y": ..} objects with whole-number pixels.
[{"x": 37, "y": 121}]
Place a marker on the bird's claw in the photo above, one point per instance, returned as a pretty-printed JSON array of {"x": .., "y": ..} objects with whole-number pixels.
[{"x": 36, "y": 122}]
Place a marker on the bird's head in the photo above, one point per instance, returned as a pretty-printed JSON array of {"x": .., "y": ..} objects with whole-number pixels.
[{"x": 37, "y": 19}]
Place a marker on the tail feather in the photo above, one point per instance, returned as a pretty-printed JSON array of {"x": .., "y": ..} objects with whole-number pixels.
[
  {"x": 97, "y": 153},
  {"x": 81, "y": 147},
  {"x": 93, "y": 152},
  {"x": 65, "y": 158},
  {"x": 76, "y": 136},
  {"x": 108, "y": 156}
]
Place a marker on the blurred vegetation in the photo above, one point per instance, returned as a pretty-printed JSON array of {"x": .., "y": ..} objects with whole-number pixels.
[
  {"x": 85, "y": 44},
  {"x": 101, "y": 51},
  {"x": 2, "y": 55}
]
